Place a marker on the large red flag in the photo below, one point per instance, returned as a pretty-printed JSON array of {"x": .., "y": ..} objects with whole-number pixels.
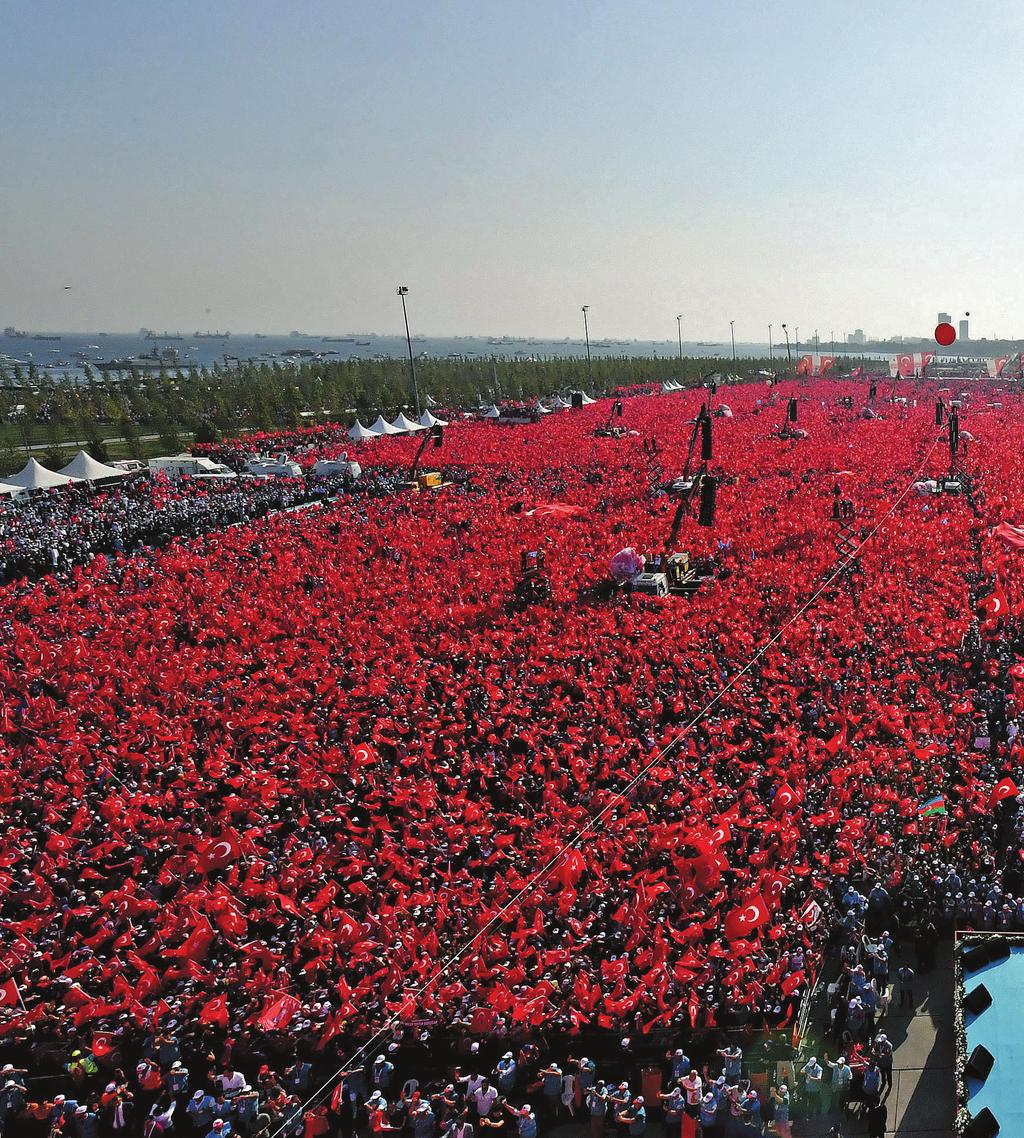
[
  {"x": 9, "y": 995},
  {"x": 1005, "y": 788},
  {"x": 215, "y": 1011},
  {"x": 741, "y": 922}
]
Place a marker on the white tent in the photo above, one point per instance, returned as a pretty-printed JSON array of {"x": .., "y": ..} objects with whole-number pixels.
[
  {"x": 8, "y": 491},
  {"x": 83, "y": 466},
  {"x": 36, "y": 477},
  {"x": 428, "y": 420},
  {"x": 492, "y": 412},
  {"x": 587, "y": 400},
  {"x": 381, "y": 427},
  {"x": 666, "y": 388},
  {"x": 360, "y": 433},
  {"x": 404, "y": 424},
  {"x": 541, "y": 409},
  {"x": 559, "y": 404}
]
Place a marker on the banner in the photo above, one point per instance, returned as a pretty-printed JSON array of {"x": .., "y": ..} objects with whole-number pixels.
[
  {"x": 909, "y": 364},
  {"x": 815, "y": 364}
]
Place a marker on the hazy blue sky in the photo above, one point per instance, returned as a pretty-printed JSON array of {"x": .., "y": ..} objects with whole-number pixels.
[{"x": 285, "y": 165}]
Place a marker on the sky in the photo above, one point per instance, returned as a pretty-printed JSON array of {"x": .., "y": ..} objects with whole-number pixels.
[{"x": 267, "y": 167}]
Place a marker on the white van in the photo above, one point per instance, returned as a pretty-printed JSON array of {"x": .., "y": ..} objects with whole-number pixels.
[
  {"x": 328, "y": 466},
  {"x": 189, "y": 465},
  {"x": 274, "y": 466}
]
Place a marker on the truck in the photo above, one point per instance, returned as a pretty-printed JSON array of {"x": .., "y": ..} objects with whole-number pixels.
[
  {"x": 327, "y": 466},
  {"x": 189, "y": 466},
  {"x": 274, "y": 466}
]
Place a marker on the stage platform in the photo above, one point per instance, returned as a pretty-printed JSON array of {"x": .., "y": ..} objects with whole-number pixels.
[{"x": 998, "y": 1029}]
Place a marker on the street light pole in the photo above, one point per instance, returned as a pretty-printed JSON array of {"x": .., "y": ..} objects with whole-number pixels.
[
  {"x": 402, "y": 291},
  {"x": 586, "y": 333},
  {"x": 789, "y": 354},
  {"x": 796, "y": 337},
  {"x": 770, "y": 356},
  {"x": 679, "y": 330},
  {"x": 732, "y": 334}
]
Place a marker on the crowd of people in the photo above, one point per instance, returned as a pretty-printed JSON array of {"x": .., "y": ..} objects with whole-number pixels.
[
  {"x": 52, "y": 531},
  {"x": 310, "y": 781}
]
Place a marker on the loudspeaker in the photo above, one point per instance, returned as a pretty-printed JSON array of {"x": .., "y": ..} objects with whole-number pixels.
[
  {"x": 998, "y": 948},
  {"x": 705, "y": 440},
  {"x": 983, "y": 1125},
  {"x": 617, "y": 408},
  {"x": 708, "y": 489},
  {"x": 977, "y": 1000},
  {"x": 938, "y": 412},
  {"x": 873, "y": 392},
  {"x": 975, "y": 958},
  {"x": 577, "y": 398},
  {"x": 980, "y": 1063},
  {"x": 791, "y": 409}
]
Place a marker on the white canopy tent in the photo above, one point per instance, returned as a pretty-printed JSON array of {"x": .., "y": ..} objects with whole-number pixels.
[
  {"x": 360, "y": 433},
  {"x": 559, "y": 404},
  {"x": 404, "y": 424},
  {"x": 34, "y": 476},
  {"x": 88, "y": 469},
  {"x": 382, "y": 427},
  {"x": 541, "y": 409},
  {"x": 8, "y": 491},
  {"x": 429, "y": 420},
  {"x": 587, "y": 400},
  {"x": 492, "y": 412}
]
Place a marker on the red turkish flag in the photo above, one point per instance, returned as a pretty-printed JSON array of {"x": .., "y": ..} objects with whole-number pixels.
[
  {"x": 9, "y": 996},
  {"x": 1005, "y": 788},
  {"x": 219, "y": 852},
  {"x": 791, "y": 982},
  {"x": 785, "y": 799},
  {"x": 215, "y": 1011},
  {"x": 748, "y": 918},
  {"x": 279, "y": 1013},
  {"x": 1013, "y": 536},
  {"x": 993, "y": 608}
]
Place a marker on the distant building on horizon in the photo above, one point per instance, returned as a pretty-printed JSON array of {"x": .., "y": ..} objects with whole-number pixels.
[
  {"x": 856, "y": 337},
  {"x": 944, "y": 318},
  {"x": 964, "y": 333}
]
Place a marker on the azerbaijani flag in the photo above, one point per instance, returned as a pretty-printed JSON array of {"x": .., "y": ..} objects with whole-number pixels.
[{"x": 932, "y": 807}]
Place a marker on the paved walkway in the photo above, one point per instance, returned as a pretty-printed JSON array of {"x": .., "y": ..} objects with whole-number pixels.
[{"x": 922, "y": 1099}]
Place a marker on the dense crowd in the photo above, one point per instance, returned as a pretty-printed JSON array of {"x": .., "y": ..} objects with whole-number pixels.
[
  {"x": 262, "y": 785},
  {"x": 51, "y": 531}
]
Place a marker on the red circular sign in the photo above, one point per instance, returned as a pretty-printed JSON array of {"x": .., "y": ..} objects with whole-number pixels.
[{"x": 945, "y": 334}]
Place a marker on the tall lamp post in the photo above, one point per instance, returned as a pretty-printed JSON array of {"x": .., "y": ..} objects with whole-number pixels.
[
  {"x": 789, "y": 354},
  {"x": 770, "y": 357},
  {"x": 679, "y": 332},
  {"x": 402, "y": 292},
  {"x": 732, "y": 334},
  {"x": 586, "y": 333},
  {"x": 796, "y": 337}
]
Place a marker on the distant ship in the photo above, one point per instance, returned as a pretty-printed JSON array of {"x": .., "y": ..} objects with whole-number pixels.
[
  {"x": 149, "y": 334},
  {"x": 212, "y": 335},
  {"x": 338, "y": 339},
  {"x": 14, "y": 334}
]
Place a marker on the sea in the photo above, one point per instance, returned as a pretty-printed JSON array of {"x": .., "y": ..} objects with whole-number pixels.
[{"x": 68, "y": 352}]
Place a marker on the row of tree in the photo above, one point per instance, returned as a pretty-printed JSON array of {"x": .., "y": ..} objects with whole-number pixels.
[{"x": 211, "y": 402}]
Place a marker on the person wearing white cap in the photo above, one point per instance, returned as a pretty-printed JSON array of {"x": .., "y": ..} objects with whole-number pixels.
[
  {"x": 882, "y": 1052},
  {"x": 780, "y": 1104},
  {"x": 634, "y": 1117},
  {"x": 381, "y": 1073},
  {"x": 505, "y": 1073}
]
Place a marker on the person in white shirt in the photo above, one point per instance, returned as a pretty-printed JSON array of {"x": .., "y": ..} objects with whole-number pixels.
[
  {"x": 484, "y": 1097},
  {"x": 692, "y": 1085}
]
